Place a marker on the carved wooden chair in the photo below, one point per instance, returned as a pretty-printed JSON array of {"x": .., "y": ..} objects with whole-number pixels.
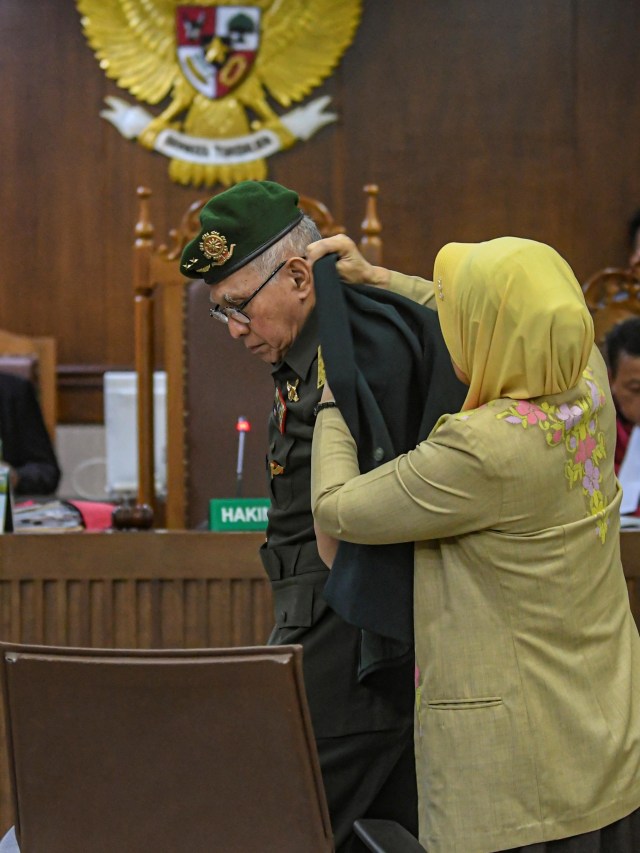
[
  {"x": 612, "y": 295},
  {"x": 34, "y": 358},
  {"x": 209, "y": 384}
]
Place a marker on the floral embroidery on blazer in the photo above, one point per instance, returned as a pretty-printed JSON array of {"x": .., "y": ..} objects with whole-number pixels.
[{"x": 576, "y": 427}]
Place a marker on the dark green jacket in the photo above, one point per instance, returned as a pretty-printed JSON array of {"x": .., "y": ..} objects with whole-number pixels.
[{"x": 391, "y": 373}]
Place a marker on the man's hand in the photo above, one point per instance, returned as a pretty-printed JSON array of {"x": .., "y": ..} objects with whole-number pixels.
[{"x": 351, "y": 266}]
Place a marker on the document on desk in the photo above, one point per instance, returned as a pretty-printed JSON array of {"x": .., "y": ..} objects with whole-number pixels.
[
  {"x": 49, "y": 517},
  {"x": 629, "y": 474}
]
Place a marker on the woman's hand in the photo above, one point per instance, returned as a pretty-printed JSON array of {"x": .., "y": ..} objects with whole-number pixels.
[{"x": 352, "y": 266}]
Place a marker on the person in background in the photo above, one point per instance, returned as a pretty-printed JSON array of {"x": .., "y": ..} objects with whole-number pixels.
[
  {"x": 622, "y": 348},
  {"x": 528, "y": 657},
  {"x": 26, "y": 445},
  {"x": 633, "y": 238},
  {"x": 251, "y": 253}
]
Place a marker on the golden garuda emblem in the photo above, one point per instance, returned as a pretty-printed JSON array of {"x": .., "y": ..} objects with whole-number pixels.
[{"x": 219, "y": 64}]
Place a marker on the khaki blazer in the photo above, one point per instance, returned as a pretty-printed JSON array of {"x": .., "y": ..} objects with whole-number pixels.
[{"x": 528, "y": 693}]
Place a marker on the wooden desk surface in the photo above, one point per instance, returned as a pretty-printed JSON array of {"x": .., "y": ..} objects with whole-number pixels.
[{"x": 182, "y": 553}]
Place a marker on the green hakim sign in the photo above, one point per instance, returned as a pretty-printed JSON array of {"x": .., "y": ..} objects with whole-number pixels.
[{"x": 228, "y": 514}]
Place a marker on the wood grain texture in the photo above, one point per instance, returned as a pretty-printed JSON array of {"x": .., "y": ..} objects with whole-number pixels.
[{"x": 475, "y": 117}]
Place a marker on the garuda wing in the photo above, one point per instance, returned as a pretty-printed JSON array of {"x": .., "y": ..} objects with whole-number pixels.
[
  {"x": 302, "y": 42},
  {"x": 135, "y": 43}
]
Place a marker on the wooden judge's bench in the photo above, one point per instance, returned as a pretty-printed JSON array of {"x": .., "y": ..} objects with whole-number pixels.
[{"x": 159, "y": 589}]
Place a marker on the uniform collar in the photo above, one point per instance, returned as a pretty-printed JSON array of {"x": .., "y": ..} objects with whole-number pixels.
[{"x": 304, "y": 349}]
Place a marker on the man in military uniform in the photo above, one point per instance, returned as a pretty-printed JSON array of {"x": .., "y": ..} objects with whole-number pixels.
[{"x": 251, "y": 252}]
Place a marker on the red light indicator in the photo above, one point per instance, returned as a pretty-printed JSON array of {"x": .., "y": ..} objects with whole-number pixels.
[{"x": 243, "y": 425}]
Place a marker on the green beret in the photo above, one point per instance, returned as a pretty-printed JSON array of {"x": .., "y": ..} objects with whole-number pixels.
[{"x": 238, "y": 225}]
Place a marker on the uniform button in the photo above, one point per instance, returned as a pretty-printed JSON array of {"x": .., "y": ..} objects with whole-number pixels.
[
  {"x": 378, "y": 454},
  {"x": 283, "y": 615}
]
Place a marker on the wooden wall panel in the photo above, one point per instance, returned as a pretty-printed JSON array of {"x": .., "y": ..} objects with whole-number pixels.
[
  {"x": 475, "y": 117},
  {"x": 135, "y": 613},
  {"x": 165, "y": 590}
]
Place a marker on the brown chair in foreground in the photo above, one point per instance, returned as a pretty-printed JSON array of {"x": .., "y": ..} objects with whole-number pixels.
[
  {"x": 166, "y": 751},
  {"x": 33, "y": 358},
  {"x": 209, "y": 384},
  {"x": 612, "y": 295}
]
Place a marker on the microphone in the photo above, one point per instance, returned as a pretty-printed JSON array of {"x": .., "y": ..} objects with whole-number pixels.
[{"x": 242, "y": 426}]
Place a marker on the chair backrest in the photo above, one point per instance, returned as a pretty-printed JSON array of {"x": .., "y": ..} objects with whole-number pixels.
[
  {"x": 209, "y": 384},
  {"x": 33, "y": 358},
  {"x": 612, "y": 295},
  {"x": 194, "y": 750}
]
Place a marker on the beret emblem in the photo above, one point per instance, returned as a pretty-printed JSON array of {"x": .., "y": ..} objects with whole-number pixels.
[{"x": 214, "y": 247}]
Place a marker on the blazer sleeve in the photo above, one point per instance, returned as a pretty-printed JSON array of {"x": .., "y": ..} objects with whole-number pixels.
[
  {"x": 447, "y": 486},
  {"x": 413, "y": 287}
]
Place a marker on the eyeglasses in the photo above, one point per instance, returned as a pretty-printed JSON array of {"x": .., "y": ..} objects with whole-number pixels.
[{"x": 236, "y": 312}]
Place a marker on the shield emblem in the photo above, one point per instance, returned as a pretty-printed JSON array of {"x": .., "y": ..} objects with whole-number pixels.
[{"x": 217, "y": 45}]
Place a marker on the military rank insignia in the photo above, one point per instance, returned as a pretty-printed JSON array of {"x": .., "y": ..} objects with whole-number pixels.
[
  {"x": 279, "y": 410},
  {"x": 275, "y": 469}
]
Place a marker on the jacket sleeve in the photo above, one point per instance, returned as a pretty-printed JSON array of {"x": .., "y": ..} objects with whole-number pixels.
[
  {"x": 445, "y": 487},
  {"x": 413, "y": 287}
]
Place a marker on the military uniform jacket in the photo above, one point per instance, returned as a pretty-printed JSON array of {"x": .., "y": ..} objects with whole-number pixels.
[{"x": 339, "y": 705}]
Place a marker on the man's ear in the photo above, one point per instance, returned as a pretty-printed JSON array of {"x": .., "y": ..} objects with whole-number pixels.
[{"x": 302, "y": 276}]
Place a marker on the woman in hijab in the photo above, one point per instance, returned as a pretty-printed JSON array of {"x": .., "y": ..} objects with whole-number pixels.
[{"x": 528, "y": 657}]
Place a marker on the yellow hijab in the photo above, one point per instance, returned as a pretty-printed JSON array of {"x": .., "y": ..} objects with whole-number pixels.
[{"x": 513, "y": 318}]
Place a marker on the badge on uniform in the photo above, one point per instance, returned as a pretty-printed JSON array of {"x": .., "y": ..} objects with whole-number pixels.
[
  {"x": 292, "y": 391},
  {"x": 279, "y": 410},
  {"x": 275, "y": 469}
]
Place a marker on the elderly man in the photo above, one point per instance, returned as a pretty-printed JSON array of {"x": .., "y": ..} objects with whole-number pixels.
[{"x": 251, "y": 252}]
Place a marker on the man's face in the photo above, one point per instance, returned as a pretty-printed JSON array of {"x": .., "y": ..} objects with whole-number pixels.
[
  {"x": 277, "y": 313},
  {"x": 625, "y": 387}
]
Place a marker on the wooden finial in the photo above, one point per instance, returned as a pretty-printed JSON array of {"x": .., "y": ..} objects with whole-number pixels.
[
  {"x": 371, "y": 242},
  {"x": 144, "y": 228}
]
